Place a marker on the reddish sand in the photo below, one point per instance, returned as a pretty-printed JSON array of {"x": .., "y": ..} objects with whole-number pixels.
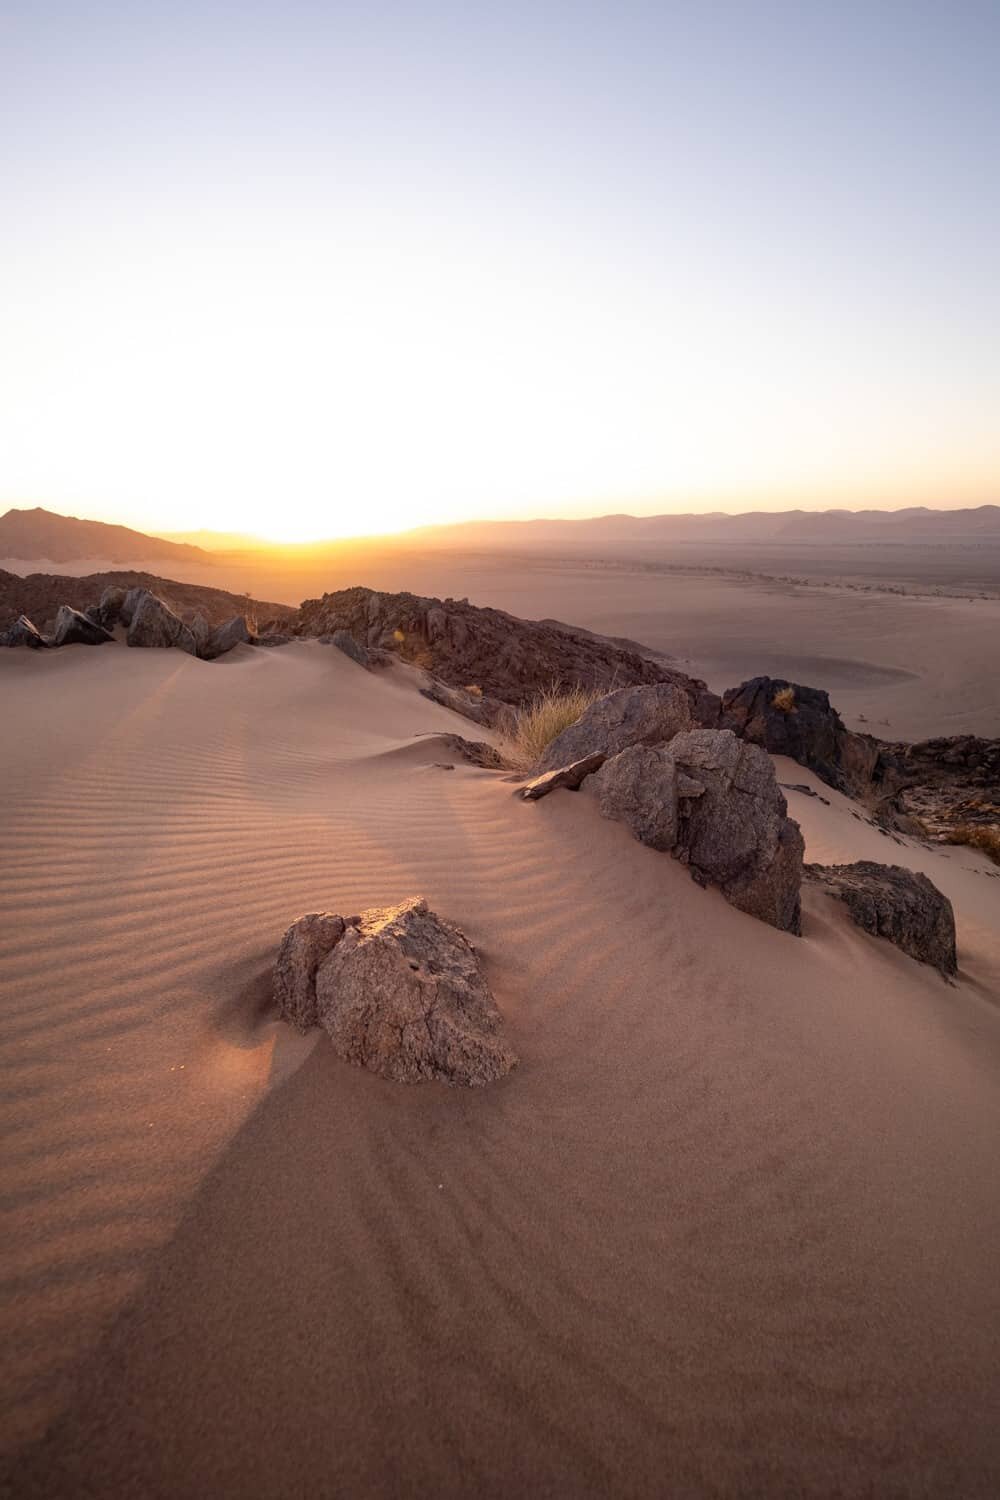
[{"x": 730, "y": 1229}]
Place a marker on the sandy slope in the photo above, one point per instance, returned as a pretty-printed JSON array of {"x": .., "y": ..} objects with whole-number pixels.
[{"x": 730, "y": 1228}]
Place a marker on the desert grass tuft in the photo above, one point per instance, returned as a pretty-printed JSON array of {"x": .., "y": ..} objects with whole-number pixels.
[
  {"x": 538, "y": 722},
  {"x": 784, "y": 700},
  {"x": 984, "y": 836}
]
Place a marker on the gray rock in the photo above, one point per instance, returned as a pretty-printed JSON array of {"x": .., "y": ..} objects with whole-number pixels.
[
  {"x": 23, "y": 633},
  {"x": 571, "y": 777},
  {"x": 638, "y": 787},
  {"x": 735, "y": 833},
  {"x": 650, "y": 714},
  {"x": 476, "y": 752},
  {"x": 233, "y": 633},
  {"x": 303, "y": 948},
  {"x": 901, "y": 905},
  {"x": 345, "y": 642},
  {"x": 74, "y": 628},
  {"x": 403, "y": 994},
  {"x": 109, "y": 610},
  {"x": 199, "y": 628},
  {"x": 153, "y": 624}
]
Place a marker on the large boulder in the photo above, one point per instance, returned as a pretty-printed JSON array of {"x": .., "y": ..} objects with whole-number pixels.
[
  {"x": 649, "y": 714},
  {"x": 786, "y": 718},
  {"x": 233, "y": 633},
  {"x": 109, "y": 611},
  {"x": 639, "y": 787},
  {"x": 303, "y": 948},
  {"x": 151, "y": 623},
  {"x": 901, "y": 905},
  {"x": 23, "y": 633},
  {"x": 736, "y": 833},
  {"x": 74, "y": 628},
  {"x": 403, "y": 994}
]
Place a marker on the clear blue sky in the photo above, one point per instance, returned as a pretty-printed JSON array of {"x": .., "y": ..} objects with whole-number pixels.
[{"x": 309, "y": 267}]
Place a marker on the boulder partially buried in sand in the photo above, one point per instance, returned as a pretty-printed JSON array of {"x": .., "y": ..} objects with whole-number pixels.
[
  {"x": 570, "y": 777},
  {"x": 901, "y": 905},
  {"x": 23, "y": 633},
  {"x": 714, "y": 802},
  {"x": 152, "y": 623},
  {"x": 73, "y": 628},
  {"x": 647, "y": 715},
  {"x": 399, "y": 991}
]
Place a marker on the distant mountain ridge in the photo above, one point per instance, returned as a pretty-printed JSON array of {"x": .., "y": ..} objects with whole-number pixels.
[
  {"x": 38, "y": 534},
  {"x": 913, "y": 524}
]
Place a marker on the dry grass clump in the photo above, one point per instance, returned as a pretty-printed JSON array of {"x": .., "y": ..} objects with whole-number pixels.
[
  {"x": 784, "y": 700},
  {"x": 537, "y": 724},
  {"x": 982, "y": 836}
]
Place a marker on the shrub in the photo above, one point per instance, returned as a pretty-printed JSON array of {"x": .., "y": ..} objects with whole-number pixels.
[
  {"x": 984, "y": 836},
  {"x": 537, "y": 724},
  {"x": 784, "y": 700}
]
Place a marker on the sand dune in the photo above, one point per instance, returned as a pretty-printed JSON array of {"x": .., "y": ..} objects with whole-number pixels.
[{"x": 729, "y": 1229}]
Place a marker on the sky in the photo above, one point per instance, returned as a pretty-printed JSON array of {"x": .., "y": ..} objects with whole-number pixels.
[{"x": 314, "y": 269}]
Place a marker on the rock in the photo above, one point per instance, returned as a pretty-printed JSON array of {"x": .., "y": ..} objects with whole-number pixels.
[
  {"x": 480, "y": 708},
  {"x": 128, "y": 606},
  {"x": 344, "y": 641},
  {"x": 736, "y": 833},
  {"x": 74, "y": 628},
  {"x": 303, "y": 948},
  {"x": 233, "y": 633},
  {"x": 571, "y": 777},
  {"x": 786, "y": 718},
  {"x": 153, "y": 624},
  {"x": 403, "y": 994},
  {"x": 23, "y": 633},
  {"x": 507, "y": 659},
  {"x": 638, "y": 787},
  {"x": 476, "y": 752},
  {"x": 199, "y": 628},
  {"x": 646, "y": 715},
  {"x": 901, "y": 905},
  {"x": 110, "y": 607}
]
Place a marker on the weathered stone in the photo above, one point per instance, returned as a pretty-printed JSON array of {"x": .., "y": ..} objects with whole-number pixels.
[
  {"x": 901, "y": 905},
  {"x": 23, "y": 633},
  {"x": 638, "y": 787},
  {"x": 233, "y": 633},
  {"x": 403, "y": 994},
  {"x": 153, "y": 624},
  {"x": 476, "y": 752},
  {"x": 74, "y": 628},
  {"x": 571, "y": 777},
  {"x": 344, "y": 641},
  {"x": 650, "y": 714},
  {"x": 786, "y": 718},
  {"x": 199, "y": 628},
  {"x": 110, "y": 608},
  {"x": 479, "y": 707},
  {"x": 736, "y": 833},
  {"x": 303, "y": 948}
]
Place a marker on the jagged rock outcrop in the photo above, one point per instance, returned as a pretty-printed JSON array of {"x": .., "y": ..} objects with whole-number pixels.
[
  {"x": 901, "y": 905},
  {"x": 941, "y": 786},
  {"x": 303, "y": 948},
  {"x": 233, "y": 633},
  {"x": 74, "y": 628},
  {"x": 23, "y": 633},
  {"x": 151, "y": 623},
  {"x": 344, "y": 641},
  {"x": 399, "y": 991},
  {"x": 465, "y": 646},
  {"x": 645, "y": 715},
  {"x": 570, "y": 777},
  {"x": 492, "y": 713},
  {"x": 787, "y": 718}
]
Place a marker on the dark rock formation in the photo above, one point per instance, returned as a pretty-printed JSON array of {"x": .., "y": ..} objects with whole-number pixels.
[
  {"x": 647, "y": 715},
  {"x": 737, "y": 834},
  {"x": 638, "y": 787},
  {"x": 465, "y": 646},
  {"x": 345, "y": 642},
  {"x": 151, "y": 623},
  {"x": 571, "y": 777},
  {"x": 476, "y": 752},
  {"x": 39, "y": 595},
  {"x": 492, "y": 713},
  {"x": 233, "y": 633},
  {"x": 400, "y": 992},
  {"x": 901, "y": 905},
  {"x": 303, "y": 948},
  {"x": 940, "y": 786},
  {"x": 74, "y": 628},
  {"x": 786, "y": 718},
  {"x": 22, "y": 633}
]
